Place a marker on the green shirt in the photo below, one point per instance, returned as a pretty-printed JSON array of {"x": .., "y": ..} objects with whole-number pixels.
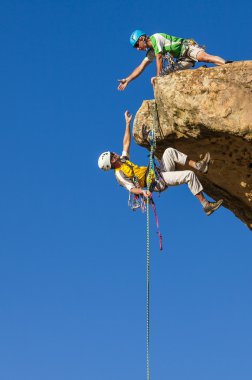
[{"x": 163, "y": 43}]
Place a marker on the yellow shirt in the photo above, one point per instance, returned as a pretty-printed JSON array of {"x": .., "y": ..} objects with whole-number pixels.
[{"x": 127, "y": 171}]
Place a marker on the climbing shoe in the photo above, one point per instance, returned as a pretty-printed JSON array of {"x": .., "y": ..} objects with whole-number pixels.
[
  {"x": 202, "y": 165},
  {"x": 210, "y": 207},
  {"x": 228, "y": 62}
]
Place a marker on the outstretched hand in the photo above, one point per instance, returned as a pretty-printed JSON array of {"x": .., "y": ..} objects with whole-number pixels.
[
  {"x": 147, "y": 194},
  {"x": 128, "y": 117},
  {"x": 123, "y": 84}
]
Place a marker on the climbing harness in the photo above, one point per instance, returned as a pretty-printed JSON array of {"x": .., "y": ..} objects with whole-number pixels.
[{"x": 169, "y": 65}]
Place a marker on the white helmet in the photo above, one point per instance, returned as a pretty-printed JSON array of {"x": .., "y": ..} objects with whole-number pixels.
[{"x": 104, "y": 161}]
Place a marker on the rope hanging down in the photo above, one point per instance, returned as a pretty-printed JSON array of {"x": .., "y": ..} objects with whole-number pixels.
[
  {"x": 153, "y": 170},
  {"x": 149, "y": 181}
]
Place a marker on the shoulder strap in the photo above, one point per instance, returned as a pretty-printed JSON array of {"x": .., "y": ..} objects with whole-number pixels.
[{"x": 135, "y": 178}]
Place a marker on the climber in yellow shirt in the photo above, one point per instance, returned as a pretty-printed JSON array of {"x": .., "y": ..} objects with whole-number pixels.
[{"x": 133, "y": 177}]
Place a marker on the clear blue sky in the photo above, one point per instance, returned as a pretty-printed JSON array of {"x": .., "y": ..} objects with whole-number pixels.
[{"x": 72, "y": 255}]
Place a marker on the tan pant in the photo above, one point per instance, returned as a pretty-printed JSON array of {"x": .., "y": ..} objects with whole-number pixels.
[{"x": 175, "y": 177}]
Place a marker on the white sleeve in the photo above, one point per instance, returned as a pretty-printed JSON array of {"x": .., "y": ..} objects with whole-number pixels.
[
  {"x": 123, "y": 180},
  {"x": 160, "y": 41},
  {"x": 125, "y": 154}
]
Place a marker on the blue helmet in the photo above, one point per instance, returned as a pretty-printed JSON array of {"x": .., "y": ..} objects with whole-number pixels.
[{"x": 136, "y": 35}]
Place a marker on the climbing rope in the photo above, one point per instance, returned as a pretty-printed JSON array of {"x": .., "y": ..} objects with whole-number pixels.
[
  {"x": 149, "y": 181},
  {"x": 148, "y": 287}
]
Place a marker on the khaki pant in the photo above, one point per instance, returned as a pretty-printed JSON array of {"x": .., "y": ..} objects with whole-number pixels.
[{"x": 174, "y": 177}]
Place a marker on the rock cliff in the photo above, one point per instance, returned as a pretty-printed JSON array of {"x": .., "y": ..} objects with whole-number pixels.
[{"x": 208, "y": 109}]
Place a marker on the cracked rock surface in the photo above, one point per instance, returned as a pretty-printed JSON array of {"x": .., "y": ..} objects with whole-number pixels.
[{"x": 207, "y": 109}]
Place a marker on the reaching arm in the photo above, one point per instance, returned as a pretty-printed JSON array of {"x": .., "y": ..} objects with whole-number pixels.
[
  {"x": 127, "y": 134},
  {"x": 159, "y": 62},
  {"x": 135, "y": 73}
]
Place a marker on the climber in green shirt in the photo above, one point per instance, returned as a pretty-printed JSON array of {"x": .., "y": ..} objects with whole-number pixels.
[{"x": 160, "y": 46}]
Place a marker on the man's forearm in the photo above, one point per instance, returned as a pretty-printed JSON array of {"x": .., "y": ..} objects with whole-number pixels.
[
  {"x": 127, "y": 133},
  {"x": 159, "y": 62},
  {"x": 137, "y": 191},
  {"x": 135, "y": 73},
  {"x": 127, "y": 136}
]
